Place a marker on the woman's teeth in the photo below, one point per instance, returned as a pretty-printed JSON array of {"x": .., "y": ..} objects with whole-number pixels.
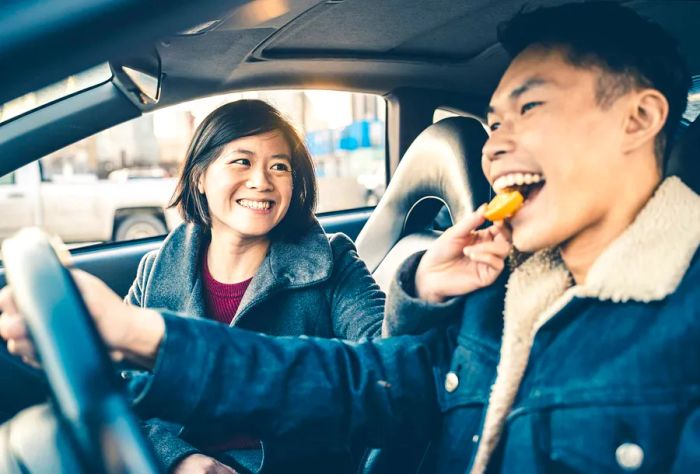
[
  {"x": 516, "y": 179},
  {"x": 258, "y": 205}
]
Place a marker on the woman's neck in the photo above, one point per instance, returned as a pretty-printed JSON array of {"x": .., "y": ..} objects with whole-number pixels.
[{"x": 232, "y": 259}]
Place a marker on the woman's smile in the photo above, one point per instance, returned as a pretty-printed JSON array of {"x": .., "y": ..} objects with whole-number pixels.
[{"x": 262, "y": 206}]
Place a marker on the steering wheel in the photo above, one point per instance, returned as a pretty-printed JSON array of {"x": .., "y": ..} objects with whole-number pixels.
[{"x": 102, "y": 429}]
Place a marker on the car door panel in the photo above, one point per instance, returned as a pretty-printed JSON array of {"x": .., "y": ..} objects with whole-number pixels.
[{"x": 116, "y": 263}]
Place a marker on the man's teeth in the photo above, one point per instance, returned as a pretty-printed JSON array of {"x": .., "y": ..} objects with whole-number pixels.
[
  {"x": 260, "y": 205},
  {"x": 516, "y": 179}
]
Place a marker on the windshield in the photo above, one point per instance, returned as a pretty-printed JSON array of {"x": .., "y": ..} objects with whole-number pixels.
[{"x": 59, "y": 90}]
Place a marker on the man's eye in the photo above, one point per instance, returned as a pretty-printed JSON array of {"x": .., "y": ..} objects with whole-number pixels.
[
  {"x": 527, "y": 107},
  {"x": 494, "y": 126},
  {"x": 241, "y": 161},
  {"x": 281, "y": 167}
]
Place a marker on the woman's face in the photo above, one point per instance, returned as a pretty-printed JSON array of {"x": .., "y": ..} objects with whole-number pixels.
[{"x": 249, "y": 185}]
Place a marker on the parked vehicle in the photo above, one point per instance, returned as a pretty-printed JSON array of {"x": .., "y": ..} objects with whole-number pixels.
[{"x": 81, "y": 208}]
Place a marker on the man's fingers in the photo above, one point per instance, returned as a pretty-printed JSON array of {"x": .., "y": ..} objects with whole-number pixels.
[
  {"x": 501, "y": 231},
  {"x": 21, "y": 347},
  {"x": 499, "y": 248},
  {"x": 491, "y": 260},
  {"x": 32, "y": 362},
  {"x": 117, "y": 356},
  {"x": 7, "y": 303},
  {"x": 469, "y": 223},
  {"x": 12, "y": 326}
]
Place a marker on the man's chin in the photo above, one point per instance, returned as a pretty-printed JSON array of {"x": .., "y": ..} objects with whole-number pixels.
[{"x": 529, "y": 240}]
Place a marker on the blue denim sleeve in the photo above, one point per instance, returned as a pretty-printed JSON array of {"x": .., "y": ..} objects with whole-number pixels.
[
  {"x": 168, "y": 447},
  {"x": 322, "y": 391},
  {"x": 688, "y": 452},
  {"x": 405, "y": 312}
]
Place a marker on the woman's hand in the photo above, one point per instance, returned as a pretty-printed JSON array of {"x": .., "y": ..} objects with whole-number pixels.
[
  {"x": 132, "y": 331},
  {"x": 201, "y": 464},
  {"x": 463, "y": 259}
]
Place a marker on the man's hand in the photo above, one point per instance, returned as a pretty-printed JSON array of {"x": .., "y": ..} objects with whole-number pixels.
[
  {"x": 463, "y": 259},
  {"x": 201, "y": 464},
  {"x": 135, "y": 332},
  {"x": 14, "y": 330}
]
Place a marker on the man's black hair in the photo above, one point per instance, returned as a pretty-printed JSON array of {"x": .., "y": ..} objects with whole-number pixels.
[{"x": 631, "y": 51}]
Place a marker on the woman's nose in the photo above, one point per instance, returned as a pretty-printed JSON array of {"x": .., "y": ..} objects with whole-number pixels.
[{"x": 259, "y": 179}]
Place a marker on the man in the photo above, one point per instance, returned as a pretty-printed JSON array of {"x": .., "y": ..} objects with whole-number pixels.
[{"x": 582, "y": 358}]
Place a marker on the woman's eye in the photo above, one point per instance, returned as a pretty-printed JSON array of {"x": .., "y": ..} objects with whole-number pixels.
[
  {"x": 281, "y": 167},
  {"x": 241, "y": 161},
  {"x": 529, "y": 106}
]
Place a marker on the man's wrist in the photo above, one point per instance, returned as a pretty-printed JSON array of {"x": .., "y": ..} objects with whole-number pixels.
[
  {"x": 144, "y": 332},
  {"x": 422, "y": 289}
]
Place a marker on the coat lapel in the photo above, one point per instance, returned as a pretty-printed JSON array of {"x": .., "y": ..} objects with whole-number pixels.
[
  {"x": 175, "y": 281},
  {"x": 289, "y": 265}
]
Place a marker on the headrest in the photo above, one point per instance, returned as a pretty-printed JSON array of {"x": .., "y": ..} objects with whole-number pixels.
[
  {"x": 684, "y": 160},
  {"x": 443, "y": 163}
]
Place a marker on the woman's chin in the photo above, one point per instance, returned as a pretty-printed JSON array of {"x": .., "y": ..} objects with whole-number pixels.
[{"x": 247, "y": 232}]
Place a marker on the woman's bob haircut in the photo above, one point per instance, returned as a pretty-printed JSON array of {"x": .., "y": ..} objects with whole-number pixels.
[{"x": 232, "y": 121}]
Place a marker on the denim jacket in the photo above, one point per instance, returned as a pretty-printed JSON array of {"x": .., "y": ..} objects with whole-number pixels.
[
  {"x": 529, "y": 375},
  {"x": 315, "y": 286}
]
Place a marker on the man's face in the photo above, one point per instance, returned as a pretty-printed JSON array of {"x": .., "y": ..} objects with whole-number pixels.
[{"x": 546, "y": 125}]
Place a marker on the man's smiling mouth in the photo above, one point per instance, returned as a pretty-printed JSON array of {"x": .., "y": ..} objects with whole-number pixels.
[{"x": 525, "y": 183}]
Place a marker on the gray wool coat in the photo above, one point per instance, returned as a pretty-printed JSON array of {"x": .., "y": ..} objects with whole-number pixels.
[{"x": 316, "y": 286}]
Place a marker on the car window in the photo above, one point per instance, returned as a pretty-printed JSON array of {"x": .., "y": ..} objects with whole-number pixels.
[
  {"x": 116, "y": 184},
  {"x": 7, "y": 179},
  {"x": 70, "y": 85}
]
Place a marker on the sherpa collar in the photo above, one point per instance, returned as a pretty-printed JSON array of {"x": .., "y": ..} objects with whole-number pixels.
[{"x": 645, "y": 263}]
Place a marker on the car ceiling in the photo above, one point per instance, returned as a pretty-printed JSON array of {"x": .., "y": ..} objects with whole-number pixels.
[{"x": 368, "y": 45}]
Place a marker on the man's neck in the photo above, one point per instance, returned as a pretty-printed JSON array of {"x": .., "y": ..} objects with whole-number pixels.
[
  {"x": 232, "y": 259},
  {"x": 581, "y": 252}
]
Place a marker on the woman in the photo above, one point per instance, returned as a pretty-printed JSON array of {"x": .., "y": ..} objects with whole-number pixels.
[{"x": 251, "y": 254}]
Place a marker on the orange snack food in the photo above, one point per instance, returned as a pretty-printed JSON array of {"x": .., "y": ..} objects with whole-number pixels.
[{"x": 503, "y": 206}]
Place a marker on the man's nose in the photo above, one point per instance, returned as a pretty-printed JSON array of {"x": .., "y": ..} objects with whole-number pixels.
[{"x": 499, "y": 143}]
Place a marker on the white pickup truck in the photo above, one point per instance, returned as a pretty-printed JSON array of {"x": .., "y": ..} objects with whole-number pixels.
[{"x": 81, "y": 208}]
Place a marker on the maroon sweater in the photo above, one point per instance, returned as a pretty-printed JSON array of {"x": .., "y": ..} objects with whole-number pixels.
[{"x": 223, "y": 300}]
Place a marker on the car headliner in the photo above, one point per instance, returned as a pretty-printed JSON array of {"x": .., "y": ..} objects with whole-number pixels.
[
  {"x": 441, "y": 48},
  {"x": 368, "y": 45}
]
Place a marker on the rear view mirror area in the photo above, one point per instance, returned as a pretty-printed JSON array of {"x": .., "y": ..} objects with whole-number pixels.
[{"x": 140, "y": 77}]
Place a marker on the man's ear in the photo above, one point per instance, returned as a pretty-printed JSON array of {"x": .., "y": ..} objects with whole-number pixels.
[{"x": 647, "y": 116}]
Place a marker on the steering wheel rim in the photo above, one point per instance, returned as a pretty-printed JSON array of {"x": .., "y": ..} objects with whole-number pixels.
[{"x": 81, "y": 376}]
